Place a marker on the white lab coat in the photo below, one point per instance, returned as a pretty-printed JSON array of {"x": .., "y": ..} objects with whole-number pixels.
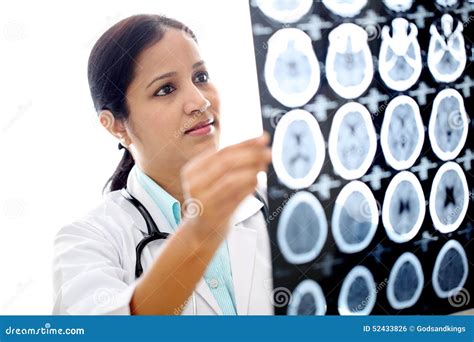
[{"x": 94, "y": 259}]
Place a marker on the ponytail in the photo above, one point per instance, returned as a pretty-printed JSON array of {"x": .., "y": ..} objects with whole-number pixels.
[{"x": 120, "y": 175}]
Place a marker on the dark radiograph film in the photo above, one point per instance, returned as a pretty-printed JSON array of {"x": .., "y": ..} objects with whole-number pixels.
[{"x": 369, "y": 105}]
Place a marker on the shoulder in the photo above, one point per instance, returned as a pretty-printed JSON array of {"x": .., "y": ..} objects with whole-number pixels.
[{"x": 110, "y": 220}]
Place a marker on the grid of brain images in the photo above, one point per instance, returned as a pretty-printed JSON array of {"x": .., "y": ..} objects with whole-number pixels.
[{"x": 369, "y": 107}]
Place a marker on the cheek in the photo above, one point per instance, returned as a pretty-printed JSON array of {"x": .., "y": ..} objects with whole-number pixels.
[
  {"x": 165, "y": 126},
  {"x": 156, "y": 126},
  {"x": 215, "y": 100}
]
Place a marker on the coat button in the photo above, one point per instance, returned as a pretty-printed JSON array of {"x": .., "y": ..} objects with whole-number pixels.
[{"x": 214, "y": 283}]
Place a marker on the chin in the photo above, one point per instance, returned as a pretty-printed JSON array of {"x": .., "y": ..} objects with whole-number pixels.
[{"x": 209, "y": 144}]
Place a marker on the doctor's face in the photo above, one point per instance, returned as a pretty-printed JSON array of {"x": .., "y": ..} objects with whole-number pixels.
[{"x": 174, "y": 109}]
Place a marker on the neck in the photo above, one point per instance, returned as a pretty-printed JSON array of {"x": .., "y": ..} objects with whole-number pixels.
[
  {"x": 169, "y": 181},
  {"x": 172, "y": 186}
]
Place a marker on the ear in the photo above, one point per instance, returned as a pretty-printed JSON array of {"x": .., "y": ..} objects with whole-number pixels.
[{"x": 115, "y": 127}]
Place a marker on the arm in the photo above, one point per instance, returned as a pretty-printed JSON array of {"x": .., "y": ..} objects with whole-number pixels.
[
  {"x": 218, "y": 182},
  {"x": 174, "y": 275}
]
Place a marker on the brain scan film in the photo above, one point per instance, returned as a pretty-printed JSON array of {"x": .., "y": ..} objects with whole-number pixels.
[
  {"x": 447, "y": 3},
  {"x": 406, "y": 282},
  {"x": 307, "y": 300},
  {"x": 298, "y": 149},
  {"x": 358, "y": 293},
  {"x": 345, "y": 8},
  {"x": 302, "y": 229},
  {"x": 448, "y": 124},
  {"x": 292, "y": 68},
  {"x": 449, "y": 198},
  {"x": 451, "y": 270},
  {"x": 403, "y": 207},
  {"x": 355, "y": 217},
  {"x": 349, "y": 66},
  {"x": 371, "y": 185},
  {"x": 352, "y": 141},
  {"x": 400, "y": 56},
  {"x": 398, "y": 5},
  {"x": 402, "y": 134},
  {"x": 446, "y": 53},
  {"x": 285, "y": 11}
]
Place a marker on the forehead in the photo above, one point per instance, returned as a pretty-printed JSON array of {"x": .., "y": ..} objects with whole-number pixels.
[{"x": 175, "y": 51}]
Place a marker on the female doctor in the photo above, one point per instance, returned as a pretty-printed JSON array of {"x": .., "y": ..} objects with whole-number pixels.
[{"x": 152, "y": 92}]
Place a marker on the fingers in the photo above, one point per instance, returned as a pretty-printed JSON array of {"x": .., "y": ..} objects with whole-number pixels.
[
  {"x": 262, "y": 140},
  {"x": 226, "y": 194},
  {"x": 227, "y": 152},
  {"x": 208, "y": 174},
  {"x": 206, "y": 171},
  {"x": 221, "y": 180}
]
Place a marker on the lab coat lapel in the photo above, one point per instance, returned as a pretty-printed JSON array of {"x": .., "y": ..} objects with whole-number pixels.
[
  {"x": 242, "y": 243},
  {"x": 203, "y": 290}
]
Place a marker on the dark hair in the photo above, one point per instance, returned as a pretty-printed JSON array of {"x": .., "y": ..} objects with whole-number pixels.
[{"x": 111, "y": 69}]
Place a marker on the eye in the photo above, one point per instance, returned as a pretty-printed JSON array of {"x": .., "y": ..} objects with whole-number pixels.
[
  {"x": 202, "y": 77},
  {"x": 165, "y": 90}
]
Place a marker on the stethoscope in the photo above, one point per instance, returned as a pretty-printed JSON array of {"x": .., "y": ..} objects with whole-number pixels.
[{"x": 153, "y": 233}]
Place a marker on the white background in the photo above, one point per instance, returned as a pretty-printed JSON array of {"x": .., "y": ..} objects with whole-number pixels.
[{"x": 54, "y": 155}]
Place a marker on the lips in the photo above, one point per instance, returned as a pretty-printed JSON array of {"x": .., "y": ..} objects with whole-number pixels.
[{"x": 200, "y": 125}]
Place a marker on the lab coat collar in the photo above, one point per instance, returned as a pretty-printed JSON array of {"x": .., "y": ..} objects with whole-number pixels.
[
  {"x": 136, "y": 190},
  {"x": 168, "y": 205},
  {"x": 241, "y": 241}
]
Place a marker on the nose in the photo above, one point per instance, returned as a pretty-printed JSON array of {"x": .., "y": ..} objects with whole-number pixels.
[{"x": 195, "y": 101}]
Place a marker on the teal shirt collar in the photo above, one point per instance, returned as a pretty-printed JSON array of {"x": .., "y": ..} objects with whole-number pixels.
[{"x": 170, "y": 207}]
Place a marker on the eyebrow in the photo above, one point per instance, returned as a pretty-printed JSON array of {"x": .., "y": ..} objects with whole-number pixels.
[{"x": 173, "y": 73}]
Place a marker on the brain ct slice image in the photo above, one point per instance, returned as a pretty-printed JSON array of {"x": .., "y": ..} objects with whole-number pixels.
[
  {"x": 402, "y": 134},
  {"x": 292, "y": 70},
  {"x": 450, "y": 270},
  {"x": 298, "y": 150},
  {"x": 448, "y": 3},
  {"x": 398, "y": 5},
  {"x": 449, "y": 198},
  {"x": 355, "y": 217},
  {"x": 446, "y": 52},
  {"x": 307, "y": 300},
  {"x": 403, "y": 208},
  {"x": 358, "y": 293},
  {"x": 302, "y": 228},
  {"x": 400, "y": 56},
  {"x": 349, "y": 65},
  {"x": 345, "y": 8},
  {"x": 285, "y": 11},
  {"x": 448, "y": 125},
  {"x": 352, "y": 141},
  {"x": 405, "y": 282}
]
